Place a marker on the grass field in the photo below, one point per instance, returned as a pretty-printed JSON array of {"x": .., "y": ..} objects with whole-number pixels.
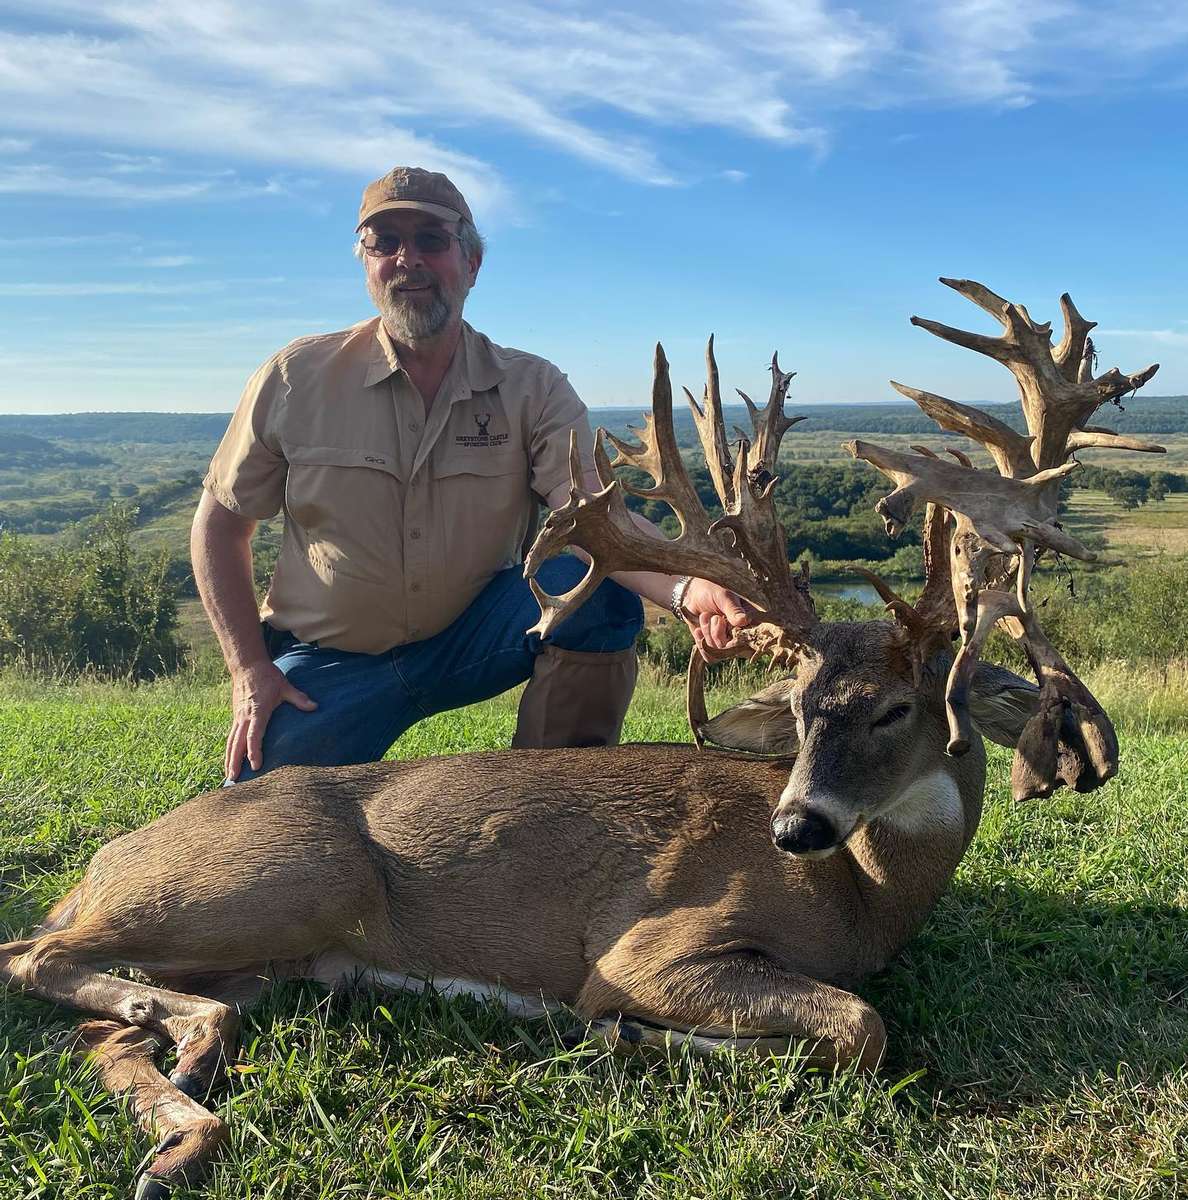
[{"x": 1039, "y": 1024}]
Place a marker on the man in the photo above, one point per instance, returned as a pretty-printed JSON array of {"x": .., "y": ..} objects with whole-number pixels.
[{"x": 409, "y": 454}]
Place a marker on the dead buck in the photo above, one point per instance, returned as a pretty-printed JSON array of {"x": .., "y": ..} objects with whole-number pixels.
[{"x": 661, "y": 891}]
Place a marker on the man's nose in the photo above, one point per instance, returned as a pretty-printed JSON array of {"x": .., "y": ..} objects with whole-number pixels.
[{"x": 407, "y": 255}]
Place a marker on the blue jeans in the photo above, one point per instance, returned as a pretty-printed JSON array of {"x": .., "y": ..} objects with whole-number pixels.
[{"x": 366, "y": 701}]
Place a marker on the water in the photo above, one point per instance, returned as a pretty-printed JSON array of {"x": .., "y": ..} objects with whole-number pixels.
[{"x": 847, "y": 591}]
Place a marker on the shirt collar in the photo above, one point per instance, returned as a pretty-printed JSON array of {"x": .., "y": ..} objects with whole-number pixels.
[{"x": 475, "y": 360}]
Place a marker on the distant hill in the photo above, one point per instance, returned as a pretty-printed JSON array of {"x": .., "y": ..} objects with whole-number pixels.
[
  {"x": 1140, "y": 414},
  {"x": 143, "y": 427},
  {"x": 24, "y": 451},
  {"x": 1143, "y": 414}
]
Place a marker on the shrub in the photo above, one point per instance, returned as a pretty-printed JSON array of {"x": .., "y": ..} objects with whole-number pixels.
[
  {"x": 667, "y": 646},
  {"x": 91, "y": 605}
]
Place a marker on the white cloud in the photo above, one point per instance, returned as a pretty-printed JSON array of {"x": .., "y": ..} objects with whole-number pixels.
[
  {"x": 55, "y": 240},
  {"x": 129, "y": 288},
  {"x": 1164, "y": 337},
  {"x": 82, "y": 289},
  {"x": 733, "y": 176},
  {"x": 296, "y": 84},
  {"x": 53, "y": 180},
  {"x": 168, "y": 261}
]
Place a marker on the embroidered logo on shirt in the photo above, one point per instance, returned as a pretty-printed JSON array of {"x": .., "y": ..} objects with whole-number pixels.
[{"x": 483, "y": 437}]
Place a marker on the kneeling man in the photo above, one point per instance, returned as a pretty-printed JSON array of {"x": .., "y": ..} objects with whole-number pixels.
[{"x": 409, "y": 454}]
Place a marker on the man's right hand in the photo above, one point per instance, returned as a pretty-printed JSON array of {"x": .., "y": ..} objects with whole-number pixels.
[{"x": 256, "y": 691}]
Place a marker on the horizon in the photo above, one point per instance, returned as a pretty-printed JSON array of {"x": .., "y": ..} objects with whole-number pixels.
[{"x": 791, "y": 176}]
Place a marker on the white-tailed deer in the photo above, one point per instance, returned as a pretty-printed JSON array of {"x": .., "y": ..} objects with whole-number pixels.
[{"x": 662, "y": 891}]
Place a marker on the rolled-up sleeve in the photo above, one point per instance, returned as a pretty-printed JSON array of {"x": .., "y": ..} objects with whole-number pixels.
[
  {"x": 247, "y": 473},
  {"x": 560, "y": 412}
]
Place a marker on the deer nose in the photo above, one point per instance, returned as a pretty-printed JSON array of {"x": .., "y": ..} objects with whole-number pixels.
[{"x": 802, "y": 832}]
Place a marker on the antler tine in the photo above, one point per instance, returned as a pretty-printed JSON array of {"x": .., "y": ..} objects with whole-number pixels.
[
  {"x": 770, "y": 424},
  {"x": 1075, "y": 344},
  {"x": 711, "y": 429},
  {"x": 1011, "y": 451},
  {"x": 658, "y": 455}
]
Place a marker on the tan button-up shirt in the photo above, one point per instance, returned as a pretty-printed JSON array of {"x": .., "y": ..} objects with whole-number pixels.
[{"x": 394, "y": 520}]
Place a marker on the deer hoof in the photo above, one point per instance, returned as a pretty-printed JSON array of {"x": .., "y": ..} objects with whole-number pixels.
[
  {"x": 152, "y": 1187},
  {"x": 189, "y": 1084}
]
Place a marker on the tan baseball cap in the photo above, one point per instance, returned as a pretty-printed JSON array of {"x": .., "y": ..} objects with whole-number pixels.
[{"x": 412, "y": 187}]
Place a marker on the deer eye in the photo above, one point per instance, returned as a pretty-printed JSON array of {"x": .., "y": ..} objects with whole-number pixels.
[{"x": 892, "y": 715}]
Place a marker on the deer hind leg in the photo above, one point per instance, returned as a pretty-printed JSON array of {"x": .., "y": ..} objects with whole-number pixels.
[
  {"x": 742, "y": 1001},
  {"x": 188, "y": 1134},
  {"x": 60, "y": 967}
]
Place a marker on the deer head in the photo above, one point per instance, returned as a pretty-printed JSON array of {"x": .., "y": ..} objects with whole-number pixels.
[{"x": 873, "y": 708}]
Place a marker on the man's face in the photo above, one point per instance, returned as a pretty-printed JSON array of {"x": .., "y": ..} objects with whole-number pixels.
[{"x": 418, "y": 293}]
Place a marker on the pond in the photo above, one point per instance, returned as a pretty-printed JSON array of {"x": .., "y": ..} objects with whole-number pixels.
[{"x": 844, "y": 590}]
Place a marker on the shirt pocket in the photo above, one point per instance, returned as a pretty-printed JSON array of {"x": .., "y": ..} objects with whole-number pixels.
[
  {"x": 480, "y": 460},
  {"x": 347, "y": 503},
  {"x": 484, "y": 502}
]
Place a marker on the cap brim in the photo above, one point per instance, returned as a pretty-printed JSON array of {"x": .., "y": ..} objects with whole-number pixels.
[{"x": 437, "y": 210}]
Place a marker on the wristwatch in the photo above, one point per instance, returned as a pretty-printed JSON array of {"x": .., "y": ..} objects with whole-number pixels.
[{"x": 677, "y": 601}]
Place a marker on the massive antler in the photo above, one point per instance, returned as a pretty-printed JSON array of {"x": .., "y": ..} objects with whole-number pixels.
[
  {"x": 1004, "y": 519},
  {"x": 745, "y": 549}
]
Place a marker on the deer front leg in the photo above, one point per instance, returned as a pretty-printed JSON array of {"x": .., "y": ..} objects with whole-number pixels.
[{"x": 740, "y": 999}]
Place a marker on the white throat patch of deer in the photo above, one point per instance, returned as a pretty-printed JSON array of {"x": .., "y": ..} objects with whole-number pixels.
[{"x": 567, "y": 876}]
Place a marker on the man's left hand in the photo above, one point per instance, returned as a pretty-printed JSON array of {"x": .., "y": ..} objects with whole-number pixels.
[{"x": 714, "y": 614}]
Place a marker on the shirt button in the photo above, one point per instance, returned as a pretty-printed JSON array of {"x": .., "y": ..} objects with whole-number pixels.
[
  {"x": 414, "y": 534},
  {"x": 414, "y": 587}
]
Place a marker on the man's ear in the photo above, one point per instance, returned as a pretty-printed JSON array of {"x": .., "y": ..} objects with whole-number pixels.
[
  {"x": 762, "y": 724},
  {"x": 1001, "y": 703}
]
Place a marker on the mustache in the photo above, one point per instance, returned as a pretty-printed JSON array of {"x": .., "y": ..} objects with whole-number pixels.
[{"x": 413, "y": 279}]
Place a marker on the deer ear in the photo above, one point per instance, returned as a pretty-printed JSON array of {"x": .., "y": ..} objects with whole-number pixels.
[
  {"x": 1001, "y": 703},
  {"x": 762, "y": 724}
]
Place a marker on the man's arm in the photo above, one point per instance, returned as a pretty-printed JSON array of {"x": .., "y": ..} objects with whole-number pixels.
[
  {"x": 221, "y": 550},
  {"x": 713, "y": 612}
]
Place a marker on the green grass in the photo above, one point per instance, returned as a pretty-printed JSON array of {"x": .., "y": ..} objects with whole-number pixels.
[{"x": 1039, "y": 1024}]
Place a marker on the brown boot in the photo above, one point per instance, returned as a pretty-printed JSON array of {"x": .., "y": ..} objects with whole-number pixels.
[{"x": 575, "y": 698}]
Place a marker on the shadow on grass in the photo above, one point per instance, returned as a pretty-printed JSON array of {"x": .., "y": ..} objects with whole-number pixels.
[{"x": 1016, "y": 993}]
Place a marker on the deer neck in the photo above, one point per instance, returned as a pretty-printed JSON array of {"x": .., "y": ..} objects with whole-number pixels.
[{"x": 904, "y": 859}]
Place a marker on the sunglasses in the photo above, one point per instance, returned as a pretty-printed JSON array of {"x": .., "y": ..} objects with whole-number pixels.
[{"x": 426, "y": 241}]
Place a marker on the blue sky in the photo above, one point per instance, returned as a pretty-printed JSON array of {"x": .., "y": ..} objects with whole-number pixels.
[{"x": 179, "y": 182}]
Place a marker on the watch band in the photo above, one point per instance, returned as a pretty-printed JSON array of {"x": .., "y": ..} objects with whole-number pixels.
[{"x": 677, "y": 600}]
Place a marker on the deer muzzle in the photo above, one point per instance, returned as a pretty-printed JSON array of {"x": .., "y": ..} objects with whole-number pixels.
[{"x": 805, "y": 832}]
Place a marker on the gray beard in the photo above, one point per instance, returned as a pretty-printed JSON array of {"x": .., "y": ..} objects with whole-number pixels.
[{"x": 409, "y": 320}]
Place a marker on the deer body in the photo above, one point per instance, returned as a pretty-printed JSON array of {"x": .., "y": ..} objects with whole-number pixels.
[{"x": 629, "y": 846}]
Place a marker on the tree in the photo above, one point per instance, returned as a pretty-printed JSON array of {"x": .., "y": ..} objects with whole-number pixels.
[{"x": 92, "y": 604}]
